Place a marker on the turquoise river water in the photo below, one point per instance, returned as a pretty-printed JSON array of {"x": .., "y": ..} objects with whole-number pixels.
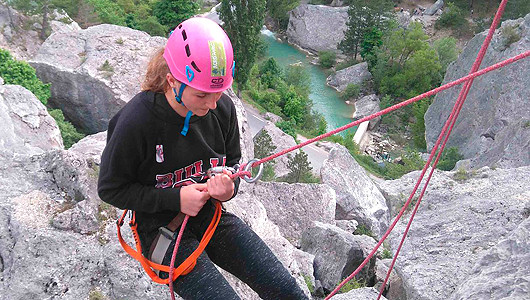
[{"x": 325, "y": 99}]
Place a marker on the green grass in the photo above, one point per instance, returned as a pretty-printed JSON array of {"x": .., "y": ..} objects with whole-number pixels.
[{"x": 351, "y": 285}]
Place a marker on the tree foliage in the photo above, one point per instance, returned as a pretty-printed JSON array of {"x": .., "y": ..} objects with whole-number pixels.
[
  {"x": 243, "y": 21},
  {"x": 406, "y": 65},
  {"x": 279, "y": 11},
  {"x": 21, "y": 73},
  {"x": 263, "y": 147},
  {"x": 170, "y": 13},
  {"x": 300, "y": 169},
  {"x": 363, "y": 16},
  {"x": 69, "y": 133},
  {"x": 447, "y": 51}
]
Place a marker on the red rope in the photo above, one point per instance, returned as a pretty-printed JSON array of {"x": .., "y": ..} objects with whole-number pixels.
[
  {"x": 449, "y": 123},
  {"x": 174, "y": 255}
]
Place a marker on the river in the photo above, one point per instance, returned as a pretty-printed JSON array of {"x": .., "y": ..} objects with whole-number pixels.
[{"x": 325, "y": 99}]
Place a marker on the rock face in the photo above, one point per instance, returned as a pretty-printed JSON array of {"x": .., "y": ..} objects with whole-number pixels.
[
  {"x": 27, "y": 128},
  {"x": 356, "y": 74},
  {"x": 306, "y": 203},
  {"x": 366, "y": 106},
  {"x": 317, "y": 27},
  {"x": 337, "y": 253},
  {"x": 493, "y": 128},
  {"x": 466, "y": 233},
  {"x": 357, "y": 196},
  {"x": 495, "y": 276},
  {"x": 95, "y": 71},
  {"x": 24, "y": 42}
]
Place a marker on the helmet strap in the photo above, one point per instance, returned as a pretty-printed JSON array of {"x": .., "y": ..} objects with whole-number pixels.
[
  {"x": 178, "y": 98},
  {"x": 186, "y": 123}
]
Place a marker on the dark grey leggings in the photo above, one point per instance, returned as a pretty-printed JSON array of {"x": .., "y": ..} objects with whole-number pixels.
[{"x": 238, "y": 250}]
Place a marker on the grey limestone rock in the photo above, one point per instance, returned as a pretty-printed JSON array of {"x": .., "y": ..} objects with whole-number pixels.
[
  {"x": 357, "y": 196},
  {"x": 337, "y": 253},
  {"x": 493, "y": 128},
  {"x": 356, "y": 74},
  {"x": 366, "y": 106},
  {"x": 27, "y": 128},
  {"x": 502, "y": 271},
  {"x": 317, "y": 27},
  {"x": 465, "y": 232},
  {"x": 294, "y": 207},
  {"x": 94, "y": 71}
]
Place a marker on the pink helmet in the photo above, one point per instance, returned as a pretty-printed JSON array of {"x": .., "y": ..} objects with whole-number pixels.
[{"x": 199, "y": 54}]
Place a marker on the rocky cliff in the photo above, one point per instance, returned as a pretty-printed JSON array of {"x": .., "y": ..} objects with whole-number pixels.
[{"x": 493, "y": 128}]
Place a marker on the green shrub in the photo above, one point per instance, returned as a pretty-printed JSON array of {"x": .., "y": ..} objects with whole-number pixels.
[
  {"x": 461, "y": 175},
  {"x": 327, "y": 58},
  {"x": 452, "y": 17},
  {"x": 68, "y": 131},
  {"x": 287, "y": 127},
  {"x": 510, "y": 35},
  {"x": 21, "y": 73},
  {"x": 449, "y": 159},
  {"x": 351, "y": 285},
  {"x": 364, "y": 230},
  {"x": 309, "y": 284},
  {"x": 352, "y": 91}
]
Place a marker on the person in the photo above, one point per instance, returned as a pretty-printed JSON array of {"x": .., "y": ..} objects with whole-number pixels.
[{"x": 159, "y": 146}]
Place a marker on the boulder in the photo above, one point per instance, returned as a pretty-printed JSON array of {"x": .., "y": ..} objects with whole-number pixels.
[
  {"x": 356, "y": 74},
  {"x": 317, "y": 27},
  {"x": 434, "y": 8},
  {"x": 461, "y": 232},
  {"x": 94, "y": 71},
  {"x": 493, "y": 128},
  {"x": 337, "y": 254},
  {"x": 366, "y": 106},
  {"x": 306, "y": 203},
  {"x": 27, "y": 128},
  {"x": 394, "y": 288},
  {"x": 367, "y": 293},
  {"x": 357, "y": 196}
]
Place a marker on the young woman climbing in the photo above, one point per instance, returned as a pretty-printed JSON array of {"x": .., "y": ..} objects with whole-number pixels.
[{"x": 159, "y": 148}]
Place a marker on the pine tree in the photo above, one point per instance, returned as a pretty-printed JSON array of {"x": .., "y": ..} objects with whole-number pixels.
[
  {"x": 363, "y": 16},
  {"x": 243, "y": 21},
  {"x": 263, "y": 147},
  {"x": 300, "y": 168}
]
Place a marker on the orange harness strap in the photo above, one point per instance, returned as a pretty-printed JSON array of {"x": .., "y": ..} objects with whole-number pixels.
[{"x": 186, "y": 267}]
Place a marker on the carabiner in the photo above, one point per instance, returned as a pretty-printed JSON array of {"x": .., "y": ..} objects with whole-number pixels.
[
  {"x": 219, "y": 170},
  {"x": 248, "y": 168}
]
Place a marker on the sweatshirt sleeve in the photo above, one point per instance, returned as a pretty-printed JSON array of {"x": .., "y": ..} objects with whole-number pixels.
[{"x": 118, "y": 183}]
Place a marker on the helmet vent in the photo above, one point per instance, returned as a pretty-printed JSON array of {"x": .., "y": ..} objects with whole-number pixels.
[
  {"x": 195, "y": 66},
  {"x": 180, "y": 26},
  {"x": 188, "y": 52},
  {"x": 184, "y": 36}
]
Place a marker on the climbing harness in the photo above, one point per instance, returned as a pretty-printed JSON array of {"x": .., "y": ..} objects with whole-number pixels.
[{"x": 153, "y": 264}]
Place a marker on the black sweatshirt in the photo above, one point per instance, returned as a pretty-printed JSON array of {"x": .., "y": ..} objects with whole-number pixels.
[{"x": 146, "y": 159}]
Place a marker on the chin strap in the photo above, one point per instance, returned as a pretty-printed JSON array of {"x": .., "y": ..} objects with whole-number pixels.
[{"x": 178, "y": 98}]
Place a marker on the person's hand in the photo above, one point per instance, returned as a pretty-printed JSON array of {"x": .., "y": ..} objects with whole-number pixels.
[
  {"x": 192, "y": 198},
  {"x": 221, "y": 186}
]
